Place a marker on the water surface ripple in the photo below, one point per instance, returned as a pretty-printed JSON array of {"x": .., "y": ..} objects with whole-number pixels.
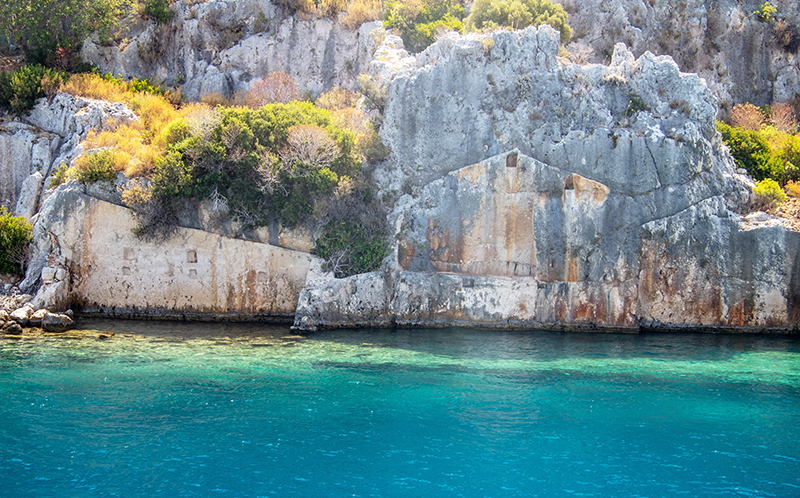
[{"x": 174, "y": 409}]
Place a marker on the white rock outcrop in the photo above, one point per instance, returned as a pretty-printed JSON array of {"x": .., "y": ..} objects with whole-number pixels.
[
  {"x": 47, "y": 137},
  {"x": 540, "y": 193},
  {"x": 220, "y": 46},
  {"x": 24, "y": 150},
  {"x": 740, "y": 57}
]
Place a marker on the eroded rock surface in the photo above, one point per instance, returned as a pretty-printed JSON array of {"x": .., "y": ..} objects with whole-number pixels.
[
  {"x": 46, "y": 138},
  {"x": 220, "y": 46},
  {"x": 740, "y": 56},
  {"x": 545, "y": 193}
]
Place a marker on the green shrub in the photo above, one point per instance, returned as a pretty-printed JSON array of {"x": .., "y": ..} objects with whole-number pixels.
[
  {"x": 176, "y": 132},
  {"x": 752, "y": 152},
  {"x": 790, "y": 156},
  {"x": 349, "y": 249},
  {"x": 20, "y": 89},
  {"x": 278, "y": 159},
  {"x": 354, "y": 238},
  {"x": 172, "y": 178},
  {"x": 771, "y": 190},
  {"x": 15, "y": 236},
  {"x": 60, "y": 175},
  {"x": 518, "y": 14},
  {"x": 157, "y": 10},
  {"x": 419, "y": 22},
  {"x": 96, "y": 167},
  {"x": 635, "y": 104},
  {"x": 766, "y": 13},
  {"x": 44, "y": 27}
]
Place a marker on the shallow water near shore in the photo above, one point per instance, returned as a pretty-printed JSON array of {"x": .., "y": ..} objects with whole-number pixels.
[{"x": 185, "y": 409}]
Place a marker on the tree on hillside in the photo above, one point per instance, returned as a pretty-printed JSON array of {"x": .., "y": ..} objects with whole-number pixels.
[
  {"x": 276, "y": 87},
  {"x": 419, "y": 21},
  {"x": 40, "y": 27},
  {"x": 518, "y": 14}
]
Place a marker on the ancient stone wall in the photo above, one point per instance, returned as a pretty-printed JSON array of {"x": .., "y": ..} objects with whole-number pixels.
[{"x": 190, "y": 273}]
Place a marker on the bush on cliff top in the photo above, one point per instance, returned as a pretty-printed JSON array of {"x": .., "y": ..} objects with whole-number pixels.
[
  {"x": 15, "y": 236},
  {"x": 20, "y": 89},
  {"x": 419, "y": 21},
  {"x": 765, "y": 143},
  {"x": 358, "y": 11},
  {"x": 49, "y": 31},
  {"x": 769, "y": 190},
  {"x": 157, "y": 10},
  {"x": 518, "y": 14},
  {"x": 277, "y": 159}
]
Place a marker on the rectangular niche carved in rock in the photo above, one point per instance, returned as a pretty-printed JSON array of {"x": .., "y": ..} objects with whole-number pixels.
[
  {"x": 126, "y": 270},
  {"x": 191, "y": 256},
  {"x": 511, "y": 161},
  {"x": 127, "y": 254}
]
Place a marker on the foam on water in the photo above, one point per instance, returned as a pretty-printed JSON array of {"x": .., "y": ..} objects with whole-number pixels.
[{"x": 233, "y": 410}]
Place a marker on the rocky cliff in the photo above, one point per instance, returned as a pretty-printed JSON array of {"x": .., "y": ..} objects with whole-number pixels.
[
  {"x": 742, "y": 58},
  {"x": 525, "y": 191},
  {"x": 545, "y": 193},
  {"x": 221, "y": 46}
]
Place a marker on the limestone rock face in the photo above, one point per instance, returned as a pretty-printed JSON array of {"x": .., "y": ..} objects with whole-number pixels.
[
  {"x": 192, "y": 272},
  {"x": 549, "y": 194},
  {"x": 28, "y": 201},
  {"x": 706, "y": 265},
  {"x": 739, "y": 56},
  {"x": 72, "y": 118},
  {"x": 220, "y": 46},
  {"x": 50, "y": 136},
  {"x": 24, "y": 150},
  {"x": 638, "y": 126}
]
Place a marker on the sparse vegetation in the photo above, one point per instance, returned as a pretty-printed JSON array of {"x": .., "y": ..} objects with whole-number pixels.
[
  {"x": 635, "y": 105},
  {"x": 51, "y": 31},
  {"x": 766, "y": 13},
  {"x": 766, "y": 144},
  {"x": 787, "y": 35},
  {"x": 157, "y": 10},
  {"x": 96, "y": 166},
  {"x": 337, "y": 98},
  {"x": 518, "y": 14},
  {"x": 361, "y": 11},
  {"x": 354, "y": 232},
  {"x": 15, "y": 237},
  {"x": 20, "y": 89},
  {"x": 419, "y": 21},
  {"x": 750, "y": 151},
  {"x": 358, "y": 11},
  {"x": 770, "y": 192},
  {"x": 747, "y": 116}
]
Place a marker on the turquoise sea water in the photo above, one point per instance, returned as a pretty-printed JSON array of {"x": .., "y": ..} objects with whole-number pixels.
[{"x": 169, "y": 409}]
